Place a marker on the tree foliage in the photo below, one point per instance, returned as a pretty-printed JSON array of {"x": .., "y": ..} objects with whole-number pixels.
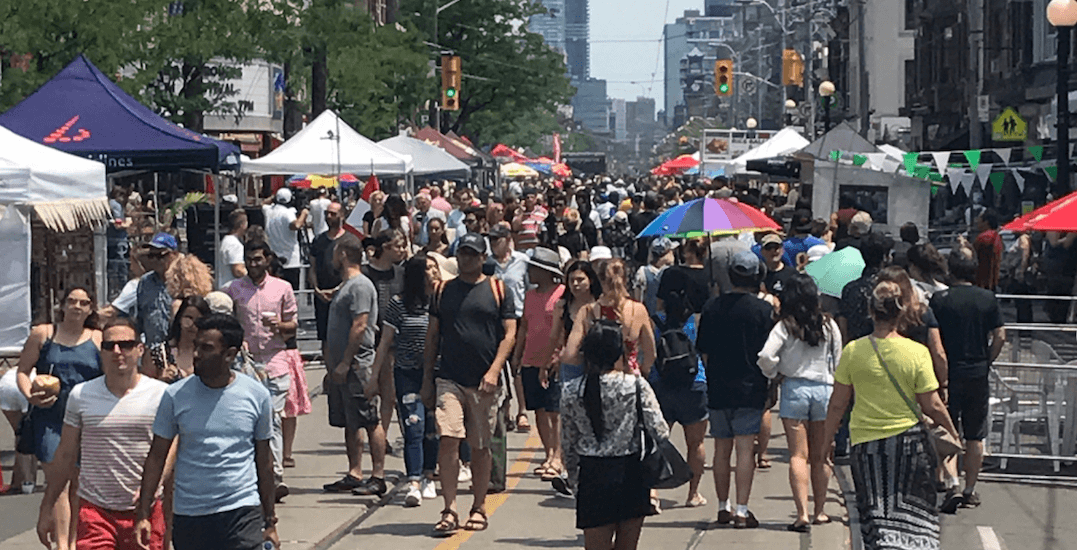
[{"x": 510, "y": 74}]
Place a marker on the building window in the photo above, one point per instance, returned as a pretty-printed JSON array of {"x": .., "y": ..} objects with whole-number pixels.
[{"x": 910, "y": 14}]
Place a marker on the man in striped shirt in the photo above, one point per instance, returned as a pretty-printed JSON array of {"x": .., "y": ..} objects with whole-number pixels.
[{"x": 108, "y": 429}]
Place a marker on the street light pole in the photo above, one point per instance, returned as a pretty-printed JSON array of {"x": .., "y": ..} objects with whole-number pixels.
[
  {"x": 826, "y": 90},
  {"x": 1062, "y": 14}
]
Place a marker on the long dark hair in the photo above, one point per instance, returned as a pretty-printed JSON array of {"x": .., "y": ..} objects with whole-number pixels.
[
  {"x": 194, "y": 301},
  {"x": 800, "y": 310},
  {"x": 414, "y": 293},
  {"x": 602, "y": 347},
  {"x": 93, "y": 320},
  {"x": 569, "y": 298},
  {"x": 395, "y": 208}
]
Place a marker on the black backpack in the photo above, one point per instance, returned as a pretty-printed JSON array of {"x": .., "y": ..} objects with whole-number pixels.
[{"x": 677, "y": 361}]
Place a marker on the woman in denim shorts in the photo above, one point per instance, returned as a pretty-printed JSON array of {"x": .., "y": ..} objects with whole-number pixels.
[{"x": 802, "y": 351}]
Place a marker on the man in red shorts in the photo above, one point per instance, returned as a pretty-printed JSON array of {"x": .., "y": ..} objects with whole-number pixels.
[{"x": 108, "y": 428}]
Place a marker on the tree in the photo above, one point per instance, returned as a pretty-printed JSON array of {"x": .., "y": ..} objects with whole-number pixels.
[
  {"x": 189, "y": 51},
  {"x": 510, "y": 74}
]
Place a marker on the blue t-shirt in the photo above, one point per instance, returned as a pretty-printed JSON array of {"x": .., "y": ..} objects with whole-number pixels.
[
  {"x": 795, "y": 245},
  {"x": 217, "y": 428},
  {"x": 689, "y": 331}
]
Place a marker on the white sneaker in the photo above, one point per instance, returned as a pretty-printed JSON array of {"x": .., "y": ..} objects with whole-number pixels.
[
  {"x": 465, "y": 474},
  {"x": 413, "y": 498},
  {"x": 428, "y": 490}
]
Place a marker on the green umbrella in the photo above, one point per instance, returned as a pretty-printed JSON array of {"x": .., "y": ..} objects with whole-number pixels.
[{"x": 835, "y": 270}]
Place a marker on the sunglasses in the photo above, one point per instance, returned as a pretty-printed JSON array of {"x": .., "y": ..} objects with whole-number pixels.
[
  {"x": 78, "y": 302},
  {"x": 125, "y": 345}
]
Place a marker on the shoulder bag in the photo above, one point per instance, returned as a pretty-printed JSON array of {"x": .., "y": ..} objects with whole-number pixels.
[
  {"x": 945, "y": 444},
  {"x": 662, "y": 464}
]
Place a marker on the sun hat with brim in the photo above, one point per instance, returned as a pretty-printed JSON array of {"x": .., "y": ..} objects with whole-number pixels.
[
  {"x": 817, "y": 252},
  {"x": 544, "y": 258},
  {"x": 447, "y": 266}
]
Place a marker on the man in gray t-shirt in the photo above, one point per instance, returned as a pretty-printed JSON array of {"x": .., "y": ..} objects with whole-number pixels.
[{"x": 349, "y": 354}]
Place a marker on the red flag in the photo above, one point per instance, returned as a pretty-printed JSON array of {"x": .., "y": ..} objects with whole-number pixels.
[
  {"x": 557, "y": 148},
  {"x": 371, "y": 186}
]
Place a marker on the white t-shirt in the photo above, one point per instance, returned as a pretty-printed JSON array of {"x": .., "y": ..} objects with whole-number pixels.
[
  {"x": 317, "y": 215},
  {"x": 231, "y": 253},
  {"x": 282, "y": 238},
  {"x": 116, "y": 437},
  {"x": 125, "y": 302}
]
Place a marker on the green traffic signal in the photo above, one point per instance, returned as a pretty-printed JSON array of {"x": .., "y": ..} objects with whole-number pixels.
[
  {"x": 724, "y": 88},
  {"x": 450, "y": 92}
]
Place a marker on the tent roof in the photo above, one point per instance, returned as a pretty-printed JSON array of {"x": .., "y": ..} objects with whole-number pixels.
[
  {"x": 783, "y": 143},
  {"x": 430, "y": 160},
  {"x": 82, "y": 112},
  {"x": 840, "y": 138},
  {"x": 329, "y": 146},
  {"x": 65, "y": 190},
  {"x": 457, "y": 149}
]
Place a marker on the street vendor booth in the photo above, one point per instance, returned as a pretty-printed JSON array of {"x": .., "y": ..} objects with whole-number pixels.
[
  {"x": 846, "y": 165},
  {"x": 49, "y": 203},
  {"x": 82, "y": 112},
  {"x": 328, "y": 146},
  {"x": 431, "y": 162}
]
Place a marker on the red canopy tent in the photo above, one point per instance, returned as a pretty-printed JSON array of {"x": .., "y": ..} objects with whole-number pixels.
[
  {"x": 504, "y": 151},
  {"x": 1060, "y": 215},
  {"x": 675, "y": 166}
]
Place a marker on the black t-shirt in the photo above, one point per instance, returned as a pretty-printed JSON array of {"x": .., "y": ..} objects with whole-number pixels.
[
  {"x": 967, "y": 314},
  {"x": 639, "y": 221},
  {"x": 732, "y": 330},
  {"x": 776, "y": 281},
  {"x": 368, "y": 219},
  {"x": 574, "y": 242},
  {"x": 322, "y": 252},
  {"x": 471, "y": 329},
  {"x": 681, "y": 282}
]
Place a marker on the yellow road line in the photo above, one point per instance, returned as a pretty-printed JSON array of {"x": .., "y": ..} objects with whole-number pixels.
[{"x": 519, "y": 467}]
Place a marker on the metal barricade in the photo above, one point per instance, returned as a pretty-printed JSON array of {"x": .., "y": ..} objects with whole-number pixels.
[{"x": 1033, "y": 395}]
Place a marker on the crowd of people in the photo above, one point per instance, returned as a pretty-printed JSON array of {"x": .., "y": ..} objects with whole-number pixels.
[{"x": 472, "y": 314}]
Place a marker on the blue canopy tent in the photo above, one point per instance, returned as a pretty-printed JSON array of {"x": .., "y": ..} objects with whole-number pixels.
[{"x": 81, "y": 111}]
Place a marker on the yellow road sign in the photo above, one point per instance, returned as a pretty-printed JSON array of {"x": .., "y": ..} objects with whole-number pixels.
[{"x": 1009, "y": 126}]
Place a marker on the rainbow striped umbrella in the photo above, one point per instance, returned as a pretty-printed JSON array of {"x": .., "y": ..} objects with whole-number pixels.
[{"x": 708, "y": 217}]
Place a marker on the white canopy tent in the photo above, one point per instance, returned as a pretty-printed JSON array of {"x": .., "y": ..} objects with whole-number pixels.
[
  {"x": 66, "y": 192},
  {"x": 329, "y": 146},
  {"x": 785, "y": 142},
  {"x": 430, "y": 160}
]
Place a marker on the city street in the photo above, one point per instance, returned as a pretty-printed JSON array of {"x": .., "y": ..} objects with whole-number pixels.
[{"x": 528, "y": 515}]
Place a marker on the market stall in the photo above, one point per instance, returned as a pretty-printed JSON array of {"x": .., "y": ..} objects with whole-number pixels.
[
  {"x": 431, "y": 162},
  {"x": 328, "y": 146},
  {"x": 82, "y": 112},
  {"x": 49, "y": 202}
]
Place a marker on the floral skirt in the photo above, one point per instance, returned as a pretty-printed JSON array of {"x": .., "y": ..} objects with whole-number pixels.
[{"x": 297, "y": 402}]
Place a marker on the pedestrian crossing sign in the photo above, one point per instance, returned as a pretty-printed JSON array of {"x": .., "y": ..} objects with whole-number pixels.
[{"x": 1009, "y": 126}]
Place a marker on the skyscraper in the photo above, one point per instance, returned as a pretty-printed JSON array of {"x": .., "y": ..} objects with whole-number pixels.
[
  {"x": 578, "y": 39},
  {"x": 551, "y": 25}
]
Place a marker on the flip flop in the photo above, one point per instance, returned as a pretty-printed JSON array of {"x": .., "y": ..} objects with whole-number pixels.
[
  {"x": 826, "y": 519},
  {"x": 541, "y": 470},
  {"x": 522, "y": 424},
  {"x": 470, "y": 524},
  {"x": 762, "y": 463},
  {"x": 550, "y": 475},
  {"x": 445, "y": 527},
  {"x": 798, "y": 527}
]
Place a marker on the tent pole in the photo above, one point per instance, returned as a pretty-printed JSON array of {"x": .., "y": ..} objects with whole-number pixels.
[
  {"x": 156, "y": 203},
  {"x": 217, "y": 226}
]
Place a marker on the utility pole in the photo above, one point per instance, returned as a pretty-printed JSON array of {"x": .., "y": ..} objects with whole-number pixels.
[
  {"x": 865, "y": 73},
  {"x": 975, "y": 76}
]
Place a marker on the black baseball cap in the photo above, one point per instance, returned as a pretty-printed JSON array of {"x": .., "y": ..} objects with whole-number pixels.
[{"x": 474, "y": 241}]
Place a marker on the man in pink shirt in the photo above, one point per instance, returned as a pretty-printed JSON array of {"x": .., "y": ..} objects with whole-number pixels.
[{"x": 266, "y": 307}]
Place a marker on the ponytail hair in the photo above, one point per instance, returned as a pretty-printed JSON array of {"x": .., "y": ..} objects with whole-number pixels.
[
  {"x": 614, "y": 278},
  {"x": 602, "y": 347},
  {"x": 886, "y": 302}
]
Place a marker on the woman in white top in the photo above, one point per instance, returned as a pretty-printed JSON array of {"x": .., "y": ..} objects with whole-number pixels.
[{"x": 802, "y": 351}]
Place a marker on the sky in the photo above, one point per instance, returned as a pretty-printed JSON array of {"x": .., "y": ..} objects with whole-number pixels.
[{"x": 632, "y": 68}]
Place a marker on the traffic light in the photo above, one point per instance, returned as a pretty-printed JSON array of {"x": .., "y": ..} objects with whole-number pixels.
[
  {"x": 451, "y": 75},
  {"x": 792, "y": 68},
  {"x": 723, "y": 77}
]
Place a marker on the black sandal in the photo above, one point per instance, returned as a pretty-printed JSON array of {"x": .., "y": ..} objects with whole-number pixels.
[
  {"x": 446, "y": 528},
  {"x": 798, "y": 528},
  {"x": 482, "y": 524}
]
